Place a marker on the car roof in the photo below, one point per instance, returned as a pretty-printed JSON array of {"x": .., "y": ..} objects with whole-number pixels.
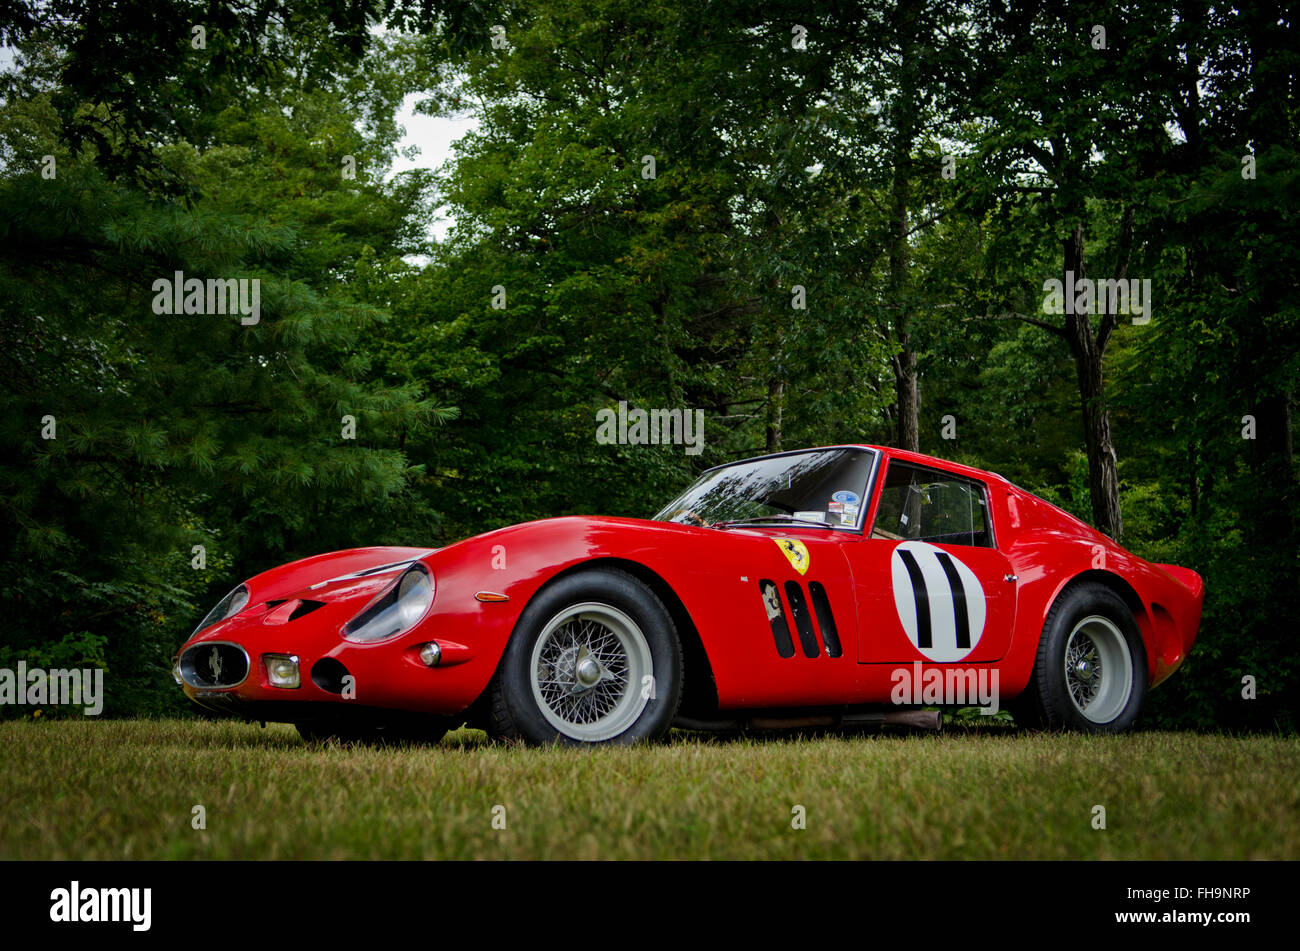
[
  {"x": 890, "y": 453},
  {"x": 921, "y": 459}
]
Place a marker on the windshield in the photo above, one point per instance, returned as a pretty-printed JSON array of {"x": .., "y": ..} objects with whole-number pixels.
[{"x": 826, "y": 486}]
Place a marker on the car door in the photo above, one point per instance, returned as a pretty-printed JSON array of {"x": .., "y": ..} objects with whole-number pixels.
[{"x": 930, "y": 582}]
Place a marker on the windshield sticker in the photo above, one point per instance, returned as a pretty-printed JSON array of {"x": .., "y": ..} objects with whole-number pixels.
[
  {"x": 844, "y": 495},
  {"x": 794, "y": 550},
  {"x": 848, "y": 518},
  {"x": 814, "y": 516},
  {"x": 835, "y": 507},
  {"x": 939, "y": 601}
]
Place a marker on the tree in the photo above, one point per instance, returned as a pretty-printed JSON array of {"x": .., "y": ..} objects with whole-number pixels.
[
  {"x": 1071, "y": 126},
  {"x": 134, "y": 430}
]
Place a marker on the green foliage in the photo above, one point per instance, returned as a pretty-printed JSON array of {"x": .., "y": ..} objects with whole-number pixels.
[
  {"x": 773, "y": 167},
  {"x": 131, "y": 436},
  {"x": 80, "y": 650}
]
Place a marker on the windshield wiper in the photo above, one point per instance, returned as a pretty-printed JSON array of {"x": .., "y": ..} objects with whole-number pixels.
[{"x": 758, "y": 519}]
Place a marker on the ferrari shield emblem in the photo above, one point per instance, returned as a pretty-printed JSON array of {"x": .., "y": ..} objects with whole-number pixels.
[{"x": 796, "y": 551}]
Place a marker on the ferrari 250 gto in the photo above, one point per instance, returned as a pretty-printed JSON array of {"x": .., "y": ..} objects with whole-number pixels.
[{"x": 789, "y": 589}]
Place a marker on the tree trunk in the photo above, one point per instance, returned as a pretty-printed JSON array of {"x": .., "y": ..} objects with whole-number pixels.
[
  {"x": 1271, "y": 125},
  {"x": 1088, "y": 352},
  {"x": 1272, "y": 432},
  {"x": 1103, "y": 477},
  {"x": 775, "y": 410},
  {"x": 900, "y": 252},
  {"x": 1272, "y": 466},
  {"x": 909, "y": 401},
  {"x": 904, "y": 363}
]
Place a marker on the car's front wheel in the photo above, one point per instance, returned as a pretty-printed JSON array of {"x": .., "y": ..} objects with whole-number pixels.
[
  {"x": 594, "y": 659},
  {"x": 1091, "y": 670}
]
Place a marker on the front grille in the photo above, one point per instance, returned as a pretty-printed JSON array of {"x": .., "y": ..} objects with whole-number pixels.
[{"x": 211, "y": 665}]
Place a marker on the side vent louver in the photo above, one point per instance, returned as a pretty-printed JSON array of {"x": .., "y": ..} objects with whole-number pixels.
[
  {"x": 776, "y": 617},
  {"x": 825, "y": 619},
  {"x": 802, "y": 619}
]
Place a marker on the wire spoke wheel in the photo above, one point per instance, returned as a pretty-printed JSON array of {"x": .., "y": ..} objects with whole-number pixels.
[
  {"x": 587, "y": 669},
  {"x": 1098, "y": 669}
]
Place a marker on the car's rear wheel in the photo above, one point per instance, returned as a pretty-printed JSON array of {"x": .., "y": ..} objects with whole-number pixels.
[
  {"x": 594, "y": 659},
  {"x": 1091, "y": 670}
]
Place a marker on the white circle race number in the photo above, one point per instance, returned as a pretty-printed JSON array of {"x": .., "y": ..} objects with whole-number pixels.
[{"x": 939, "y": 600}]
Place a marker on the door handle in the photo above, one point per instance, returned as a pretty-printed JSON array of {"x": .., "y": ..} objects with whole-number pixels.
[{"x": 1011, "y": 577}]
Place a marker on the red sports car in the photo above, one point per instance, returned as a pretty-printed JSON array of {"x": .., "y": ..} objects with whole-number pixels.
[{"x": 827, "y": 586}]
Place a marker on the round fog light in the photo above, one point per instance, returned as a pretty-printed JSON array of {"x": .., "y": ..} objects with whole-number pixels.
[{"x": 431, "y": 653}]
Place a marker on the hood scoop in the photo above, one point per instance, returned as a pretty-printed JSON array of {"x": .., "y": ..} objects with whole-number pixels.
[{"x": 285, "y": 611}]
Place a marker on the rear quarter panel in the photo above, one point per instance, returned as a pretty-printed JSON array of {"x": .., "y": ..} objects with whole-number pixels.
[{"x": 1049, "y": 549}]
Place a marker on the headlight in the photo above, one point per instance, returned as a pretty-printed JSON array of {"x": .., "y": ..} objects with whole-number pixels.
[
  {"x": 281, "y": 670},
  {"x": 227, "y": 607},
  {"x": 398, "y": 609}
]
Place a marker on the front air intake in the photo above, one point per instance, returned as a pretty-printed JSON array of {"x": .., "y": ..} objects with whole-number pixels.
[
  {"x": 213, "y": 665},
  {"x": 328, "y": 673}
]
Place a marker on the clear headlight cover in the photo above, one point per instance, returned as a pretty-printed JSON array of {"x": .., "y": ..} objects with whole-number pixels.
[
  {"x": 398, "y": 609},
  {"x": 282, "y": 670},
  {"x": 227, "y": 607}
]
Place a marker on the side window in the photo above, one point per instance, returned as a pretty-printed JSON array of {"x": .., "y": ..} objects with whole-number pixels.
[{"x": 918, "y": 504}]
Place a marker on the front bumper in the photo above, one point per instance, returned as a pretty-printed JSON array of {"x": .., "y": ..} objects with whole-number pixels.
[
  {"x": 225, "y": 669},
  {"x": 308, "y": 622}
]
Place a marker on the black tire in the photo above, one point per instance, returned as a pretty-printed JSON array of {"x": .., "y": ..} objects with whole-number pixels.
[
  {"x": 640, "y": 710},
  {"x": 1105, "y": 624},
  {"x": 414, "y": 730}
]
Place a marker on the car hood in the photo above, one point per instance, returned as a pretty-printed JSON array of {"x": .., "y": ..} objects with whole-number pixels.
[{"x": 334, "y": 576}]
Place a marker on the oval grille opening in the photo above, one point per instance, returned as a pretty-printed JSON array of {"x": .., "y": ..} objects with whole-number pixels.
[{"x": 210, "y": 665}]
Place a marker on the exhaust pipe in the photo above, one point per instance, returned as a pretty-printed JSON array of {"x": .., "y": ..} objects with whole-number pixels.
[{"x": 912, "y": 719}]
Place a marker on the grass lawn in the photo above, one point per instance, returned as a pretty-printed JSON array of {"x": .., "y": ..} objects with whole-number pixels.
[{"x": 127, "y": 790}]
